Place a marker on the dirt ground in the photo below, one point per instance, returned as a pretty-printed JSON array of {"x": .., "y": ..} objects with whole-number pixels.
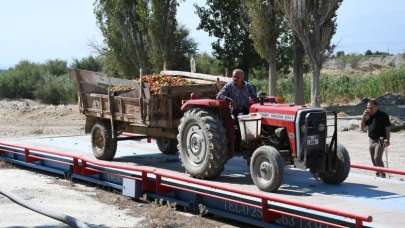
[{"x": 29, "y": 118}]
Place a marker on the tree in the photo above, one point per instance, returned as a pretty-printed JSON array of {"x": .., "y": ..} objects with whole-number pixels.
[
  {"x": 124, "y": 25},
  {"x": 314, "y": 23},
  {"x": 142, "y": 34},
  {"x": 55, "y": 67},
  {"x": 368, "y": 52},
  {"x": 228, "y": 21},
  {"x": 184, "y": 47},
  {"x": 88, "y": 63},
  {"x": 162, "y": 29},
  {"x": 340, "y": 54},
  {"x": 298, "y": 71},
  {"x": 207, "y": 64},
  {"x": 265, "y": 29}
]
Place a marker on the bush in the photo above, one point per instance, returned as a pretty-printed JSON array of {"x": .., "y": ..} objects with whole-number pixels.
[
  {"x": 56, "y": 90},
  {"x": 88, "y": 63},
  {"x": 47, "y": 82},
  {"x": 55, "y": 67},
  {"x": 20, "y": 81}
]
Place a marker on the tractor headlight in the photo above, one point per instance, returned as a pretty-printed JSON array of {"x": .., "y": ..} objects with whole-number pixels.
[{"x": 321, "y": 127}]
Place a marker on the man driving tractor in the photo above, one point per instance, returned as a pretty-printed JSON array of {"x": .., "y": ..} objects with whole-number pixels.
[{"x": 239, "y": 92}]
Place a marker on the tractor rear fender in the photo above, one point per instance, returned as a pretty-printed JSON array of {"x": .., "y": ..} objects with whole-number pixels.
[
  {"x": 204, "y": 103},
  {"x": 222, "y": 108}
]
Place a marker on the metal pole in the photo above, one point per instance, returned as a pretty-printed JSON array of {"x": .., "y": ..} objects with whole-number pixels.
[{"x": 386, "y": 160}]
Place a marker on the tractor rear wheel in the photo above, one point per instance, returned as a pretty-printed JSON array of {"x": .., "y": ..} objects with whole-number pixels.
[
  {"x": 266, "y": 168},
  {"x": 103, "y": 145},
  {"x": 167, "y": 146},
  {"x": 342, "y": 169},
  {"x": 202, "y": 143}
]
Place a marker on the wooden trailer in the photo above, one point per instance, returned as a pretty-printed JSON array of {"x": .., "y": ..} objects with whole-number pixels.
[{"x": 109, "y": 114}]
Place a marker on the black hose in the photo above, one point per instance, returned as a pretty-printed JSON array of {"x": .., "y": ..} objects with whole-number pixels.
[{"x": 68, "y": 220}]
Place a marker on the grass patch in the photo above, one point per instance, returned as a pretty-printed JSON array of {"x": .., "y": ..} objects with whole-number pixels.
[{"x": 343, "y": 87}]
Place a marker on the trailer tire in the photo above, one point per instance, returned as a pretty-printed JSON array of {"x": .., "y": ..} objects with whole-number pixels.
[
  {"x": 342, "y": 167},
  {"x": 167, "y": 146},
  {"x": 103, "y": 144},
  {"x": 202, "y": 143},
  {"x": 266, "y": 168}
]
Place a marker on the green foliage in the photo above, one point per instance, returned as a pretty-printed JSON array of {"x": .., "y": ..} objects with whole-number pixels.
[
  {"x": 162, "y": 27},
  {"x": 55, "y": 90},
  {"x": 207, "y": 64},
  {"x": 184, "y": 47},
  {"x": 269, "y": 30},
  {"x": 340, "y": 54},
  {"x": 142, "y": 34},
  {"x": 55, "y": 67},
  {"x": 376, "y": 53},
  {"x": 20, "y": 81},
  {"x": 88, "y": 63},
  {"x": 124, "y": 27},
  {"x": 47, "y": 82},
  {"x": 335, "y": 89},
  {"x": 228, "y": 21}
]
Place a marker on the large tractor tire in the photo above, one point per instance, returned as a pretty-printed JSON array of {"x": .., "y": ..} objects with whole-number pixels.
[
  {"x": 167, "y": 146},
  {"x": 342, "y": 169},
  {"x": 266, "y": 168},
  {"x": 103, "y": 145},
  {"x": 202, "y": 143}
]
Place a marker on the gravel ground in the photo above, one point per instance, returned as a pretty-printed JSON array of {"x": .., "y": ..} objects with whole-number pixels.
[
  {"x": 94, "y": 206},
  {"x": 41, "y": 190},
  {"x": 27, "y": 118}
]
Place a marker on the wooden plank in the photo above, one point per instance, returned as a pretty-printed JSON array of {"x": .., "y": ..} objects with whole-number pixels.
[
  {"x": 111, "y": 107},
  {"x": 186, "y": 90},
  {"x": 169, "y": 133},
  {"x": 208, "y": 77},
  {"x": 100, "y": 79}
]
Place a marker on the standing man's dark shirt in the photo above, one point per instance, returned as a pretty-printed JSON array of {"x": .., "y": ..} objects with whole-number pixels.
[{"x": 377, "y": 124}]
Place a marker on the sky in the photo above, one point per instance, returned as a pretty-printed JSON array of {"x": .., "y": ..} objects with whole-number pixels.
[{"x": 38, "y": 30}]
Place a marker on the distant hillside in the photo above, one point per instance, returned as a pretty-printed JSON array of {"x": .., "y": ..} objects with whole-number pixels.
[{"x": 366, "y": 63}]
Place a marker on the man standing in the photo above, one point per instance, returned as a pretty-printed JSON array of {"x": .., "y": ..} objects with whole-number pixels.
[
  {"x": 239, "y": 91},
  {"x": 378, "y": 125}
]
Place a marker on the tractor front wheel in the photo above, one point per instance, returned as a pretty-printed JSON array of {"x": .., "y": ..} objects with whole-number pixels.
[
  {"x": 266, "y": 168},
  {"x": 202, "y": 143},
  {"x": 341, "y": 170}
]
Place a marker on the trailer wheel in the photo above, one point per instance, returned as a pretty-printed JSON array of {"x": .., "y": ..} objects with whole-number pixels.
[
  {"x": 202, "y": 143},
  {"x": 342, "y": 169},
  {"x": 167, "y": 146},
  {"x": 266, "y": 168},
  {"x": 104, "y": 146}
]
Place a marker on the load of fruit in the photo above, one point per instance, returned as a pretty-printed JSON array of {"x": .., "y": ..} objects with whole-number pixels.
[{"x": 157, "y": 82}]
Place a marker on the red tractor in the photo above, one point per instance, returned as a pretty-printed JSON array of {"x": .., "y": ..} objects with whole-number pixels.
[{"x": 271, "y": 136}]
